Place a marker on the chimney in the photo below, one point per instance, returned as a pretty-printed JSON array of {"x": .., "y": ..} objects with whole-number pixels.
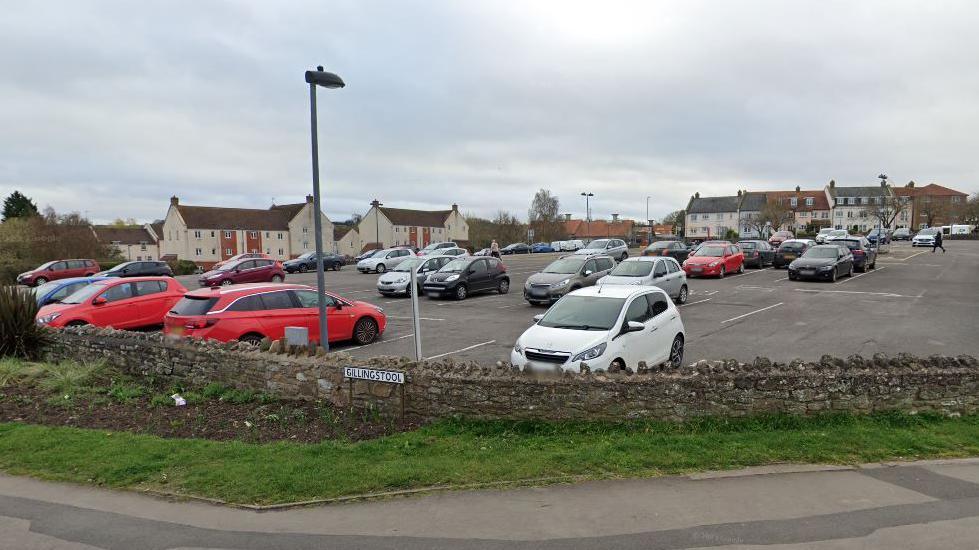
[
  {"x": 567, "y": 217},
  {"x": 174, "y": 200},
  {"x": 696, "y": 195},
  {"x": 910, "y": 184},
  {"x": 309, "y": 199},
  {"x": 832, "y": 184},
  {"x": 739, "y": 192},
  {"x": 615, "y": 218},
  {"x": 455, "y": 207},
  {"x": 797, "y": 189},
  {"x": 375, "y": 203}
]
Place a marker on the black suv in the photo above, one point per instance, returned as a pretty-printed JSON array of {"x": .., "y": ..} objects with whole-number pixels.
[
  {"x": 464, "y": 276},
  {"x": 139, "y": 269}
]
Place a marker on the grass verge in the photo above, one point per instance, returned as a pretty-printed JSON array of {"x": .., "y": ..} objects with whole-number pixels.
[{"x": 465, "y": 452}]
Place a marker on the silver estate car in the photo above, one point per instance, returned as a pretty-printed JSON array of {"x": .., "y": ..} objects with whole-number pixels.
[{"x": 662, "y": 272}]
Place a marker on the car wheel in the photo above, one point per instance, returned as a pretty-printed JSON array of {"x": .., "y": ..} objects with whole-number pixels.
[
  {"x": 40, "y": 281},
  {"x": 252, "y": 338},
  {"x": 380, "y": 268},
  {"x": 684, "y": 294},
  {"x": 624, "y": 256},
  {"x": 75, "y": 324},
  {"x": 277, "y": 278},
  {"x": 461, "y": 292},
  {"x": 850, "y": 273},
  {"x": 741, "y": 268},
  {"x": 365, "y": 331},
  {"x": 676, "y": 352},
  {"x": 721, "y": 274},
  {"x": 616, "y": 364},
  {"x": 791, "y": 277},
  {"x": 226, "y": 282},
  {"x": 336, "y": 267},
  {"x": 832, "y": 277},
  {"x": 504, "y": 286},
  {"x": 303, "y": 268}
]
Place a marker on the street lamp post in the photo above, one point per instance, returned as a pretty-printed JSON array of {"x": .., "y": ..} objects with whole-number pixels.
[
  {"x": 327, "y": 80},
  {"x": 377, "y": 222},
  {"x": 587, "y": 212},
  {"x": 650, "y": 222}
]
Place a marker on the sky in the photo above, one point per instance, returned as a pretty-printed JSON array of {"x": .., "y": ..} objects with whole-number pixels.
[{"x": 110, "y": 107}]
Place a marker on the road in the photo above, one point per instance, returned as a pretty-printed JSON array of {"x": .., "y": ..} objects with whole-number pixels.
[
  {"x": 915, "y": 302},
  {"x": 917, "y": 505}
]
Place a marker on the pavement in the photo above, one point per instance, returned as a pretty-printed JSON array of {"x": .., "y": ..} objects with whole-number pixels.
[
  {"x": 915, "y": 302},
  {"x": 932, "y": 504}
]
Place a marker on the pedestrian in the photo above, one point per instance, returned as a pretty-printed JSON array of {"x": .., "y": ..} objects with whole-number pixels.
[
  {"x": 937, "y": 243},
  {"x": 495, "y": 249}
]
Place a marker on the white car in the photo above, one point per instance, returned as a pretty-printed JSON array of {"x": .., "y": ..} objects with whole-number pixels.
[
  {"x": 398, "y": 280},
  {"x": 836, "y": 234},
  {"x": 455, "y": 251},
  {"x": 572, "y": 245},
  {"x": 436, "y": 248},
  {"x": 925, "y": 237},
  {"x": 601, "y": 327},
  {"x": 823, "y": 233},
  {"x": 662, "y": 272},
  {"x": 383, "y": 260},
  {"x": 615, "y": 248}
]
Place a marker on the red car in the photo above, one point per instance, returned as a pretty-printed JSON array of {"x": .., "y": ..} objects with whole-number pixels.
[
  {"x": 58, "y": 269},
  {"x": 715, "y": 260},
  {"x": 260, "y": 270},
  {"x": 252, "y": 312},
  {"x": 244, "y": 256},
  {"x": 134, "y": 302},
  {"x": 780, "y": 237}
]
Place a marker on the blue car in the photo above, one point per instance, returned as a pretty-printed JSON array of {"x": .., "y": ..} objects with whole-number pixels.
[
  {"x": 59, "y": 289},
  {"x": 541, "y": 247}
]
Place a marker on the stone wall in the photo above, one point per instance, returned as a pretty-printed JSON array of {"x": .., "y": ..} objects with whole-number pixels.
[{"x": 442, "y": 388}]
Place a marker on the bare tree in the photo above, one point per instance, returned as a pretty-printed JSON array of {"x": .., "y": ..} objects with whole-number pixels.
[
  {"x": 932, "y": 209},
  {"x": 970, "y": 212},
  {"x": 508, "y": 228},
  {"x": 885, "y": 208},
  {"x": 770, "y": 218},
  {"x": 544, "y": 217},
  {"x": 677, "y": 218}
]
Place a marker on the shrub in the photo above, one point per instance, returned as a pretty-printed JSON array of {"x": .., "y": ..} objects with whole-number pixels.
[
  {"x": 10, "y": 269},
  {"x": 182, "y": 267},
  {"x": 20, "y": 335},
  {"x": 69, "y": 378}
]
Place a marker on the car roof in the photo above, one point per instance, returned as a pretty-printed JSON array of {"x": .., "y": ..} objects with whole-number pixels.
[
  {"x": 71, "y": 280},
  {"x": 615, "y": 291},
  {"x": 646, "y": 259},
  {"x": 242, "y": 289},
  {"x": 797, "y": 241}
]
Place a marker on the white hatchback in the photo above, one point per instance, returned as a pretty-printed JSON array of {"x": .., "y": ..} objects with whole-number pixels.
[{"x": 601, "y": 327}]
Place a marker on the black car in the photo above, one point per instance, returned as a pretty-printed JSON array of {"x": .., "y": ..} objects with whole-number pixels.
[
  {"x": 674, "y": 249},
  {"x": 757, "y": 253},
  {"x": 139, "y": 269},
  {"x": 790, "y": 250},
  {"x": 515, "y": 248},
  {"x": 864, "y": 254},
  {"x": 464, "y": 276},
  {"x": 307, "y": 262},
  {"x": 824, "y": 261}
]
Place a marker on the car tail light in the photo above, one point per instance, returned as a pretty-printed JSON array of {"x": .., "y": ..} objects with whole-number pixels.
[
  {"x": 858, "y": 252},
  {"x": 200, "y": 323}
]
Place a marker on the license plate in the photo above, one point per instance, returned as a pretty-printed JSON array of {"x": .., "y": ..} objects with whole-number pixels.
[
  {"x": 807, "y": 272},
  {"x": 697, "y": 269},
  {"x": 789, "y": 256},
  {"x": 432, "y": 293}
]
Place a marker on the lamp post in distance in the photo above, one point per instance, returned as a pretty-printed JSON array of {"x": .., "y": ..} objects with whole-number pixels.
[
  {"x": 587, "y": 212},
  {"x": 319, "y": 77}
]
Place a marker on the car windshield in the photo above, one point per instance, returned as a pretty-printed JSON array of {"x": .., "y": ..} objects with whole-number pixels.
[
  {"x": 46, "y": 288},
  {"x": 821, "y": 252},
  {"x": 583, "y": 313},
  {"x": 791, "y": 247},
  {"x": 928, "y": 231},
  {"x": 408, "y": 265},
  {"x": 194, "y": 305},
  {"x": 227, "y": 267},
  {"x": 432, "y": 246},
  {"x": 746, "y": 245},
  {"x": 852, "y": 245},
  {"x": 455, "y": 266},
  {"x": 44, "y": 266},
  {"x": 120, "y": 267},
  {"x": 307, "y": 256},
  {"x": 710, "y": 251},
  {"x": 825, "y": 231},
  {"x": 599, "y": 244},
  {"x": 84, "y": 293},
  {"x": 662, "y": 245},
  {"x": 838, "y": 233},
  {"x": 632, "y": 269},
  {"x": 565, "y": 266}
]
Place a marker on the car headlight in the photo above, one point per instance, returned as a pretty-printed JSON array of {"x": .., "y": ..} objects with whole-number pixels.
[
  {"x": 560, "y": 284},
  {"x": 826, "y": 268},
  {"x": 713, "y": 264},
  {"x": 451, "y": 278},
  {"x": 47, "y": 318},
  {"x": 518, "y": 348},
  {"x": 590, "y": 353}
]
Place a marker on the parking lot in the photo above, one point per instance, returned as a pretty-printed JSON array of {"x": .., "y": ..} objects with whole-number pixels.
[{"x": 915, "y": 302}]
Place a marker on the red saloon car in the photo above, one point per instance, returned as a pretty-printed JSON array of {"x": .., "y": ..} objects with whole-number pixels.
[
  {"x": 252, "y": 312},
  {"x": 58, "y": 269},
  {"x": 134, "y": 302},
  {"x": 249, "y": 270},
  {"x": 715, "y": 260}
]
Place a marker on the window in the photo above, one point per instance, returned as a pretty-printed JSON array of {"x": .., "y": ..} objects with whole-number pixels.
[
  {"x": 794, "y": 202},
  {"x": 305, "y": 230},
  {"x": 839, "y": 213},
  {"x": 118, "y": 292},
  {"x": 591, "y": 266},
  {"x": 145, "y": 288},
  {"x": 212, "y": 234},
  {"x": 846, "y": 200},
  {"x": 279, "y": 236},
  {"x": 693, "y": 217},
  {"x": 809, "y": 201},
  {"x": 277, "y": 300},
  {"x": 638, "y": 310},
  {"x": 863, "y": 214},
  {"x": 478, "y": 266},
  {"x": 904, "y": 216},
  {"x": 307, "y": 298},
  {"x": 672, "y": 266},
  {"x": 720, "y": 216},
  {"x": 227, "y": 234},
  {"x": 268, "y": 250},
  {"x": 253, "y": 234},
  {"x": 825, "y": 215},
  {"x": 76, "y": 264},
  {"x": 246, "y": 265},
  {"x": 142, "y": 247},
  {"x": 214, "y": 252},
  {"x": 149, "y": 257},
  {"x": 248, "y": 303},
  {"x": 197, "y": 234},
  {"x": 281, "y": 252},
  {"x": 197, "y": 252},
  {"x": 305, "y": 245},
  {"x": 657, "y": 304},
  {"x": 229, "y": 252},
  {"x": 266, "y": 234},
  {"x": 849, "y": 214},
  {"x": 858, "y": 200},
  {"x": 115, "y": 242},
  {"x": 660, "y": 269},
  {"x": 60, "y": 266},
  {"x": 956, "y": 199}
]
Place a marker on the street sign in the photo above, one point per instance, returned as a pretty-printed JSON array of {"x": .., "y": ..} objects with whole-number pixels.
[{"x": 391, "y": 377}]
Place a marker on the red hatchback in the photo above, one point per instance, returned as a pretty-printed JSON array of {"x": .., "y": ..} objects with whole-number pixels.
[
  {"x": 715, "y": 260},
  {"x": 243, "y": 256},
  {"x": 250, "y": 313},
  {"x": 260, "y": 270},
  {"x": 58, "y": 269},
  {"x": 134, "y": 302}
]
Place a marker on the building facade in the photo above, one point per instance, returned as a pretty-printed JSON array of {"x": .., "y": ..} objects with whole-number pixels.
[
  {"x": 383, "y": 227},
  {"x": 132, "y": 243},
  {"x": 585, "y": 230},
  {"x": 712, "y": 217}
]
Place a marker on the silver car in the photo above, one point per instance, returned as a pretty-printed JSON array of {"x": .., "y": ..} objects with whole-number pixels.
[
  {"x": 662, "y": 272},
  {"x": 615, "y": 248},
  {"x": 564, "y": 275},
  {"x": 398, "y": 280},
  {"x": 383, "y": 260}
]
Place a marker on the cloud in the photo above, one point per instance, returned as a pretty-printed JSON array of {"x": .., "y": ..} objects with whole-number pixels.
[{"x": 112, "y": 107}]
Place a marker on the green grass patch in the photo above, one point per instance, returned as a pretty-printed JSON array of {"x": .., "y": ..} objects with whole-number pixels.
[{"x": 464, "y": 452}]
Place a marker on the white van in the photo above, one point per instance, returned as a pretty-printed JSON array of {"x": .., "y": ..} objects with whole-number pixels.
[
  {"x": 956, "y": 230},
  {"x": 557, "y": 246},
  {"x": 573, "y": 245}
]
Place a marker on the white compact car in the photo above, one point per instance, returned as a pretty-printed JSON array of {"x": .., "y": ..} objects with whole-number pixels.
[
  {"x": 836, "y": 234},
  {"x": 663, "y": 272},
  {"x": 925, "y": 237},
  {"x": 455, "y": 251},
  {"x": 615, "y": 248},
  {"x": 437, "y": 248},
  {"x": 398, "y": 280},
  {"x": 383, "y": 260},
  {"x": 602, "y": 326},
  {"x": 823, "y": 233}
]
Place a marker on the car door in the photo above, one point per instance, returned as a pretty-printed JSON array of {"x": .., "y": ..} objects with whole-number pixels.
[
  {"x": 676, "y": 276},
  {"x": 151, "y": 302},
  {"x": 76, "y": 268},
  {"x": 263, "y": 270},
  {"x": 339, "y": 321},
  {"x": 119, "y": 310},
  {"x": 279, "y": 310},
  {"x": 590, "y": 273},
  {"x": 656, "y": 348},
  {"x": 478, "y": 276},
  {"x": 660, "y": 277}
]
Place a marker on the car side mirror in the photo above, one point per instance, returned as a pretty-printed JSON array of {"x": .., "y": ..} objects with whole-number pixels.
[
  {"x": 338, "y": 305},
  {"x": 588, "y": 272},
  {"x": 99, "y": 301},
  {"x": 538, "y": 317},
  {"x": 633, "y": 326}
]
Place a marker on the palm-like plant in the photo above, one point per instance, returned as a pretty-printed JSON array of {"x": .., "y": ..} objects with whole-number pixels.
[{"x": 20, "y": 335}]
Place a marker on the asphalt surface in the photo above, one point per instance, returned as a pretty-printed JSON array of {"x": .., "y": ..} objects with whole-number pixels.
[
  {"x": 873, "y": 507},
  {"x": 915, "y": 302}
]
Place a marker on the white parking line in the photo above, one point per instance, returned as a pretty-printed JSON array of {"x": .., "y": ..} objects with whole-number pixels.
[
  {"x": 911, "y": 256},
  {"x": 697, "y": 302},
  {"x": 422, "y": 318},
  {"x": 752, "y": 313},
  {"x": 750, "y": 272},
  {"x": 782, "y": 279},
  {"x": 887, "y": 294},
  {"x": 380, "y": 342},
  {"x": 860, "y": 275},
  {"x": 460, "y": 350}
]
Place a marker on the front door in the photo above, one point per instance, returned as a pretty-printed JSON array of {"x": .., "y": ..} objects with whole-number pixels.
[
  {"x": 413, "y": 236},
  {"x": 426, "y": 237},
  {"x": 119, "y": 309}
]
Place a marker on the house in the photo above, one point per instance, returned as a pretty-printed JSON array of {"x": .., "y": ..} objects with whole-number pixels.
[
  {"x": 347, "y": 240},
  {"x": 748, "y": 210},
  {"x": 131, "y": 242},
  {"x": 933, "y": 205},
  {"x": 810, "y": 208},
  {"x": 208, "y": 234},
  {"x": 588, "y": 230},
  {"x": 712, "y": 217},
  {"x": 849, "y": 205},
  {"x": 383, "y": 227}
]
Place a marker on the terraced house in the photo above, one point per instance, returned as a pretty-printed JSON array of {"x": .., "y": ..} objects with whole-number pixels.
[
  {"x": 850, "y": 205},
  {"x": 712, "y": 217},
  {"x": 383, "y": 227},
  {"x": 131, "y": 242},
  {"x": 208, "y": 234}
]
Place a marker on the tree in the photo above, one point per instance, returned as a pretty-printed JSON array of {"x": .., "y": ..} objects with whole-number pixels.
[
  {"x": 885, "y": 208},
  {"x": 771, "y": 217},
  {"x": 128, "y": 222},
  {"x": 508, "y": 228},
  {"x": 677, "y": 218},
  {"x": 970, "y": 212},
  {"x": 18, "y": 205},
  {"x": 544, "y": 217}
]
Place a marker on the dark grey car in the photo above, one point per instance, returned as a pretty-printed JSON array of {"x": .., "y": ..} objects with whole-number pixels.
[{"x": 564, "y": 275}]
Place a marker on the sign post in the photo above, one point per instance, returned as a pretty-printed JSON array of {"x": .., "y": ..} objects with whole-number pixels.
[{"x": 415, "y": 314}]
